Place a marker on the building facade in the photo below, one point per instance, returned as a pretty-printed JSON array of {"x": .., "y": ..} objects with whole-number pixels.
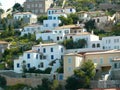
[
  {"x": 41, "y": 57},
  {"x": 37, "y": 7},
  {"x": 32, "y": 29},
  {"x": 72, "y": 61},
  {"x": 53, "y": 17},
  {"x": 26, "y": 17},
  {"x": 101, "y": 59}
]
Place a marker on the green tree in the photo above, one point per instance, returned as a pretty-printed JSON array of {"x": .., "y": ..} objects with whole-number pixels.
[
  {"x": 90, "y": 25},
  {"x": 18, "y": 87},
  {"x": 116, "y": 29},
  {"x": 18, "y": 7},
  {"x": 65, "y": 21},
  {"x": 74, "y": 17},
  {"x": 1, "y": 11},
  {"x": 69, "y": 44},
  {"x": 81, "y": 77},
  {"x": 41, "y": 18}
]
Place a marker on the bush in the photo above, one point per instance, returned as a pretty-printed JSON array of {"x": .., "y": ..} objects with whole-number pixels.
[
  {"x": 2, "y": 81},
  {"x": 34, "y": 70},
  {"x": 18, "y": 87}
]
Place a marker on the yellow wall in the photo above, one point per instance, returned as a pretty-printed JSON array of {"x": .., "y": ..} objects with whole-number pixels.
[
  {"x": 105, "y": 56},
  {"x": 76, "y": 62}
]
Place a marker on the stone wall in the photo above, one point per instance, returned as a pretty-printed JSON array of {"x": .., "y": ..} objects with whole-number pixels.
[
  {"x": 28, "y": 81},
  {"x": 105, "y": 84},
  {"x": 31, "y": 79}
]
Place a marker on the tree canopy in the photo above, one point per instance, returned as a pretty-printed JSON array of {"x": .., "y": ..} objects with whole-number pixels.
[
  {"x": 18, "y": 7},
  {"x": 81, "y": 77}
]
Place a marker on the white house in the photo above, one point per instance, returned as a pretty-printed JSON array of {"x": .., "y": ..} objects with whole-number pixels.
[
  {"x": 83, "y": 35},
  {"x": 32, "y": 29},
  {"x": 58, "y": 33},
  {"x": 41, "y": 57},
  {"x": 53, "y": 17},
  {"x": 112, "y": 42},
  {"x": 55, "y": 35},
  {"x": 27, "y": 17},
  {"x": 86, "y": 16}
]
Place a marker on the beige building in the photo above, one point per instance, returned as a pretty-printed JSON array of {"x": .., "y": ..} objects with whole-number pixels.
[
  {"x": 37, "y": 6},
  {"x": 71, "y": 62},
  {"x": 101, "y": 59}
]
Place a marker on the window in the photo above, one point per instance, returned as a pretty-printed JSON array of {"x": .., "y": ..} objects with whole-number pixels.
[
  {"x": 28, "y": 56},
  {"x": 98, "y": 20},
  {"x": 70, "y": 37},
  {"x": 98, "y": 45},
  {"x": 61, "y": 49},
  {"x": 28, "y": 65},
  {"x": 54, "y": 18},
  {"x": 117, "y": 40},
  {"x": 60, "y": 32},
  {"x": 95, "y": 60},
  {"x": 101, "y": 60},
  {"x": 37, "y": 56},
  {"x": 46, "y": 25},
  {"x": 69, "y": 69},
  {"x": 115, "y": 65},
  {"x": 93, "y": 45},
  {"x": 54, "y": 25},
  {"x": 38, "y": 66},
  {"x": 48, "y": 37},
  {"x": 50, "y": 17},
  {"x": 40, "y": 5},
  {"x": 18, "y": 65},
  {"x": 69, "y": 60},
  {"x": 41, "y": 57},
  {"x": 44, "y": 50},
  {"x": 109, "y": 41},
  {"x": 52, "y": 12},
  {"x": 66, "y": 31},
  {"x": 52, "y": 57},
  {"x": 61, "y": 57},
  {"x": 110, "y": 60},
  {"x": 57, "y": 38},
  {"x": 65, "y": 37},
  {"x": 114, "y": 40},
  {"x": 41, "y": 65},
  {"x": 49, "y": 12},
  {"x": 51, "y": 49},
  {"x": 38, "y": 50}
]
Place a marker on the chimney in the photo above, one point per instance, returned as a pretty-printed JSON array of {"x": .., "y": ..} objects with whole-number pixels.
[
  {"x": 92, "y": 32},
  {"x": 40, "y": 43},
  {"x": 78, "y": 23}
]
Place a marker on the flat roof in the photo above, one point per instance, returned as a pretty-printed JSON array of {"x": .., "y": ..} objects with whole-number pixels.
[
  {"x": 45, "y": 44},
  {"x": 73, "y": 54},
  {"x": 33, "y": 25},
  {"x": 103, "y": 52},
  {"x": 3, "y": 42},
  {"x": 32, "y": 51},
  {"x": 78, "y": 34},
  {"x": 67, "y": 26},
  {"x": 24, "y": 13}
]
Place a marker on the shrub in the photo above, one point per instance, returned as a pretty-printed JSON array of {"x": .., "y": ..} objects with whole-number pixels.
[{"x": 2, "y": 81}]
